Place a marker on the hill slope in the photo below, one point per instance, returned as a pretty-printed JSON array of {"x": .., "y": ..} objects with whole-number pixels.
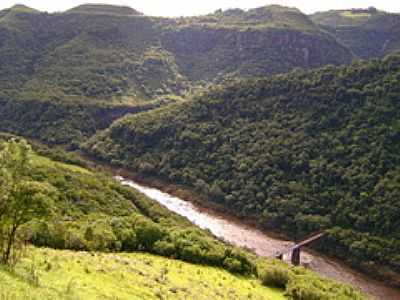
[
  {"x": 101, "y": 52},
  {"x": 298, "y": 152},
  {"x": 89, "y": 211},
  {"x": 367, "y": 33},
  {"x": 51, "y": 274},
  {"x": 106, "y": 61}
]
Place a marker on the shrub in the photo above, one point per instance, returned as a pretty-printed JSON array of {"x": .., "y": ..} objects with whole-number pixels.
[
  {"x": 277, "y": 276},
  {"x": 164, "y": 248},
  {"x": 233, "y": 265},
  {"x": 147, "y": 233}
]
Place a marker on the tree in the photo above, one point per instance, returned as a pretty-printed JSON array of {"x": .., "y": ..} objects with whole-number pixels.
[{"x": 21, "y": 199}]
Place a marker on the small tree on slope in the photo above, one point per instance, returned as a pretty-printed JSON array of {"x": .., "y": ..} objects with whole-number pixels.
[{"x": 21, "y": 199}]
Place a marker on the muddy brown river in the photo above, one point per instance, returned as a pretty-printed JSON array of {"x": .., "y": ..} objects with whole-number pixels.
[{"x": 237, "y": 233}]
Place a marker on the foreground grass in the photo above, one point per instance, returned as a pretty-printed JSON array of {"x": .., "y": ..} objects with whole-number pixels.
[{"x": 55, "y": 274}]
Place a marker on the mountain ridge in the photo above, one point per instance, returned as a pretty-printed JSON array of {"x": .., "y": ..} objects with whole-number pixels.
[
  {"x": 104, "y": 9},
  {"x": 101, "y": 60}
]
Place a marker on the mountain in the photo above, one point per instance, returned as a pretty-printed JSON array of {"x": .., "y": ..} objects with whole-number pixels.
[
  {"x": 104, "y": 9},
  {"x": 258, "y": 42},
  {"x": 84, "y": 209},
  {"x": 298, "y": 152},
  {"x": 116, "y": 60},
  {"x": 102, "y": 52},
  {"x": 368, "y": 33}
]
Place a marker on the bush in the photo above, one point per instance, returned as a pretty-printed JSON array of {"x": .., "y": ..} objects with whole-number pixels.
[
  {"x": 148, "y": 233},
  {"x": 233, "y": 265},
  {"x": 277, "y": 276},
  {"x": 309, "y": 287},
  {"x": 164, "y": 248}
]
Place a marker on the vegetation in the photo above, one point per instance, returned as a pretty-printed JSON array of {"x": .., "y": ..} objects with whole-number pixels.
[
  {"x": 367, "y": 33},
  {"x": 59, "y": 122},
  {"x": 299, "y": 152},
  {"x": 54, "y": 274},
  {"x": 271, "y": 16},
  {"x": 64, "y": 76},
  {"x": 93, "y": 212},
  {"x": 65, "y": 206},
  {"x": 98, "y": 53},
  {"x": 21, "y": 201}
]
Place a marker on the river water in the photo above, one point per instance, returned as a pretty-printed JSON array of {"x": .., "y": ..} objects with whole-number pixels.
[{"x": 237, "y": 233}]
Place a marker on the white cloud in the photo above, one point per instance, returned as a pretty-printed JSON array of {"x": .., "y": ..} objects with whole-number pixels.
[{"x": 187, "y": 7}]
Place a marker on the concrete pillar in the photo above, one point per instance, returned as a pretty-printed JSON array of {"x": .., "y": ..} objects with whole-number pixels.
[{"x": 296, "y": 256}]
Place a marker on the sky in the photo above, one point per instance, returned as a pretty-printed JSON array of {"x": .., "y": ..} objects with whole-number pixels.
[{"x": 199, "y": 7}]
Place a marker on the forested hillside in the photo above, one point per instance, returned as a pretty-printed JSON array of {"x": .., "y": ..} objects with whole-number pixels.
[
  {"x": 61, "y": 205},
  {"x": 101, "y": 52},
  {"x": 297, "y": 152},
  {"x": 367, "y": 33},
  {"x": 64, "y": 76}
]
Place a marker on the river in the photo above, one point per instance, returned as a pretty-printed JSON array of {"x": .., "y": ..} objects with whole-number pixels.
[{"x": 237, "y": 233}]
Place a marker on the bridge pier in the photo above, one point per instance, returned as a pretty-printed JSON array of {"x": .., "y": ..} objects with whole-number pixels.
[
  {"x": 295, "y": 257},
  {"x": 295, "y": 250}
]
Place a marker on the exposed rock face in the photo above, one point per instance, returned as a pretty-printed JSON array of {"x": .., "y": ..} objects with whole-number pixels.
[
  {"x": 367, "y": 33},
  {"x": 203, "y": 52}
]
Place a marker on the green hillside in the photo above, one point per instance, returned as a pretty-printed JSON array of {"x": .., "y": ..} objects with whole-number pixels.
[
  {"x": 51, "y": 274},
  {"x": 367, "y": 33},
  {"x": 108, "y": 60},
  {"x": 68, "y": 206},
  {"x": 102, "y": 52},
  {"x": 91, "y": 211},
  {"x": 260, "y": 111},
  {"x": 298, "y": 152}
]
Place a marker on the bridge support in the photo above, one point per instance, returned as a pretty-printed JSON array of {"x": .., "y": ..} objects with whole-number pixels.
[
  {"x": 295, "y": 257},
  {"x": 295, "y": 250}
]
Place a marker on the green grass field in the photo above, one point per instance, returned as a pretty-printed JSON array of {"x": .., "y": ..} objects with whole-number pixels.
[{"x": 55, "y": 274}]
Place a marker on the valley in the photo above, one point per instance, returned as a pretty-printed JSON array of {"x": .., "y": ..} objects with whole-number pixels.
[{"x": 172, "y": 151}]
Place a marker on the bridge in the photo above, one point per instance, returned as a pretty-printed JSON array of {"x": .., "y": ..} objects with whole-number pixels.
[{"x": 294, "y": 251}]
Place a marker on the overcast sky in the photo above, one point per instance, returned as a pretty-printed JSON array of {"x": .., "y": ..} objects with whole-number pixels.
[{"x": 197, "y": 7}]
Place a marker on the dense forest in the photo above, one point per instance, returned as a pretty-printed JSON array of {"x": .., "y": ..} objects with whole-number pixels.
[
  {"x": 61, "y": 205},
  {"x": 298, "y": 152},
  {"x": 64, "y": 76},
  {"x": 106, "y": 53}
]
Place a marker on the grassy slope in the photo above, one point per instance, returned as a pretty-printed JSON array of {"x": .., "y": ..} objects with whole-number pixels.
[
  {"x": 54, "y": 274},
  {"x": 299, "y": 152}
]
